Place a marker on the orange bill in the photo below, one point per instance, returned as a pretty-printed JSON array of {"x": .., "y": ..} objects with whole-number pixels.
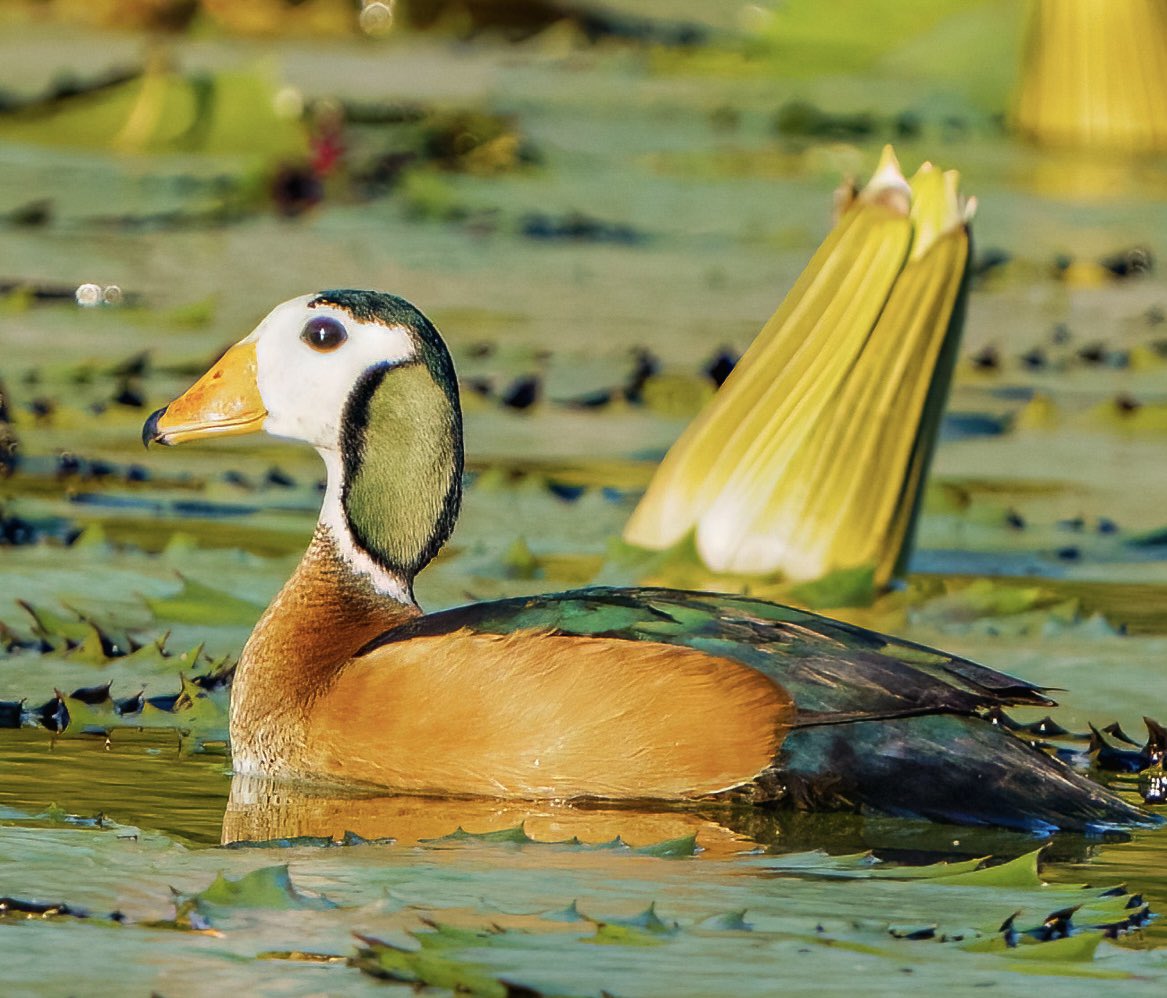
[{"x": 223, "y": 402}]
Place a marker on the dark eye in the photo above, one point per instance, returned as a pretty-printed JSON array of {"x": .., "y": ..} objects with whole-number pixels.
[{"x": 323, "y": 333}]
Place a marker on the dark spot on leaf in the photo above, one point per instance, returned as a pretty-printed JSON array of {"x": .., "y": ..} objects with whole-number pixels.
[
  {"x": 803, "y": 119},
  {"x": 16, "y": 531},
  {"x": 295, "y": 188},
  {"x": 1127, "y": 405},
  {"x": 53, "y": 714},
  {"x": 523, "y": 393},
  {"x": 721, "y": 366},
  {"x": 68, "y": 464},
  {"x": 990, "y": 259},
  {"x": 1132, "y": 262},
  {"x": 92, "y": 695},
  {"x": 1115, "y": 731},
  {"x": 987, "y": 359},
  {"x": 130, "y": 705},
  {"x": 236, "y": 478},
  {"x": 1034, "y": 359},
  {"x": 598, "y": 399},
  {"x": 42, "y": 408},
  {"x": 129, "y": 394},
  {"x": 578, "y": 227},
  {"x": 568, "y": 493},
  {"x": 164, "y": 702},
  {"x": 483, "y": 387},
  {"x": 1092, "y": 353},
  {"x": 646, "y": 365},
  {"x": 136, "y": 366}
]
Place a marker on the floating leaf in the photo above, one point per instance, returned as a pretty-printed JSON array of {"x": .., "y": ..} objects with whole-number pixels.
[
  {"x": 733, "y": 921},
  {"x": 520, "y": 561},
  {"x": 13, "y": 909},
  {"x": 686, "y": 845},
  {"x": 432, "y": 964},
  {"x": 645, "y": 929},
  {"x": 267, "y": 887},
  {"x": 1019, "y": 872},
  {"x": 196, "y": 603},
  {"x": 95, "y": 648},
  {"x": 569, "y": 914},
  {"x": 611, "y": 934},
  {"x": 936, "y": 871},
  {"x": 844, "y": 587},
  {"x": 506, "y": 836},
  {"x": 301, "y": 956},
  {"x": 59, "y": 632}
]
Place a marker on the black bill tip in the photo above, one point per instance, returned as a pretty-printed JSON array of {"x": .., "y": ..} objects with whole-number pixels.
[{"x": 150, "y": 432}]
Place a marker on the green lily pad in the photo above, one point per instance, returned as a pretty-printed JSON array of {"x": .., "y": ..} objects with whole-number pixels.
[
  {"x": 267, "y": 887},
  {"x": 1019, "y": 872},
  {"x": 433, "y": 964},
  {"x": 196, "y": 603}
]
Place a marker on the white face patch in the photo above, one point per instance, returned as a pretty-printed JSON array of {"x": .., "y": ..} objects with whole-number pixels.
[{"x": 305, "y": 390}]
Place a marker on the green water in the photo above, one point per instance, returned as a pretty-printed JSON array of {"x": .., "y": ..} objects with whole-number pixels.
[{"x": 154, "y": 815}]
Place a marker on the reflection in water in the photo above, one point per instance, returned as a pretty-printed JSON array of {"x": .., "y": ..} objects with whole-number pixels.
[
  {"x": 146, "y": 779},
  {"x": 263, "y": 810},
  {"x": 1089, "y": 176},
  {"x": 260, "y": 809}
]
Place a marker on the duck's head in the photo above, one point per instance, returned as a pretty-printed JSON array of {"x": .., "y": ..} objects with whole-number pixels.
[{"x": 365, "y": 378}]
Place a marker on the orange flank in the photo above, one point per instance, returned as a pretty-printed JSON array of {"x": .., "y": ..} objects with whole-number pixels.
[
  {"x": 542, "y": 716},
  {"x": 526, "y": 714}
]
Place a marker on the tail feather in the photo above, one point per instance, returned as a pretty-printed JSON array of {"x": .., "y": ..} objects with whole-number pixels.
[{"x": 947, "y": 767}]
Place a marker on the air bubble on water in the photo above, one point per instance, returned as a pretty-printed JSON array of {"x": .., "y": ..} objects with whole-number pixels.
[
  {"x": 288, "y": 103},
  {"x": 755, "y": 18},
  {"x": 89, "y": 295},
  {"x": 112, "y": 295},
  {"x": 376, "y": 18}
]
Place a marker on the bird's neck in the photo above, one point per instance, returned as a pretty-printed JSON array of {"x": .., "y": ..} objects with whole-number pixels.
[
  {"x": 323, "y": 615},
  {"x": 367, "y": 562}
]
